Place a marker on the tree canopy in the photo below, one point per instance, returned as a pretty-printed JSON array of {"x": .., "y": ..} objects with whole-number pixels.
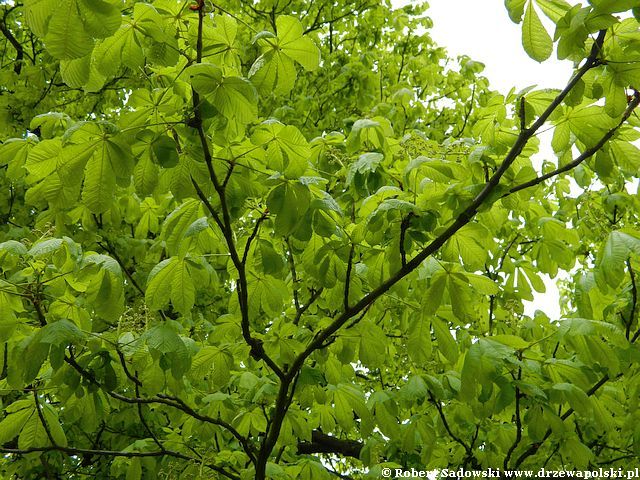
[{"x": 292, "y": 240}]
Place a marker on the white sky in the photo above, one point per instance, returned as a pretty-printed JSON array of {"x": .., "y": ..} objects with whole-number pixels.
[{"x": 483, "y": 30}]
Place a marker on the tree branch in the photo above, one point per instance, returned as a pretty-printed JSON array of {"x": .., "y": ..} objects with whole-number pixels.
[
  {"x": 253, "y": 235},
  {"x": 112, "y": 251},
  {"x": 533, "y": 448},
  {"x": 323, "y": 443},
  {"x": 315, "y": 294},
  {"x": 463, "y": 218},
  {"x": 589, "y": 152},
  {"x": 168, "y": 400},
  {"x": 518, "y": 438},
  {"x": 20, "y": 53},
  {"x": 347, "y": 280},
  {"x": 257, "y": 350},
  {"x": 443, "y": 418},
  {"x": 114, "y": 453},
  {"x": 634, "y": 302},
  {"x": 319, "y": 340},
  {"x": 42, "y": 419}
]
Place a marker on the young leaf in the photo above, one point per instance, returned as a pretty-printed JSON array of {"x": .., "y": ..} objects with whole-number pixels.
[{"x": 535, "y": 39}]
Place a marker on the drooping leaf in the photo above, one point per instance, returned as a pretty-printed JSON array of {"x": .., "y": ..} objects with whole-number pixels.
[{"x": 535, "y": 39}]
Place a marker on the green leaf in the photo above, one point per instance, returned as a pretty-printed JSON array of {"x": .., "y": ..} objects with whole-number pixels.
[
  {"x": 274, "y": 70},
  {"x": 554, "y": 9},
  {"x": 287, "y": 149},
  {"x": 171, "y": 280},
  {"x": 101, "y": 19},
  {"x": 162, "y": 339},
  {"x": 373, "y": 345},
  {"x": 433, "y": 296},
  {"x": 535, "y": 39},
  {"x": 33, "y": 433},
  {"x": 53, "y": 424},
  {"x": 183, "y": 290},
  {"x": 159, "y": 283},
  {"x": 13, "y": 423},
  {"x": 612, "y": 257},
  {"x": 446, "y": 343},
  {"x": 575, "y": 396},
  {"x": 134, "y": 470},
  {"x": 234, "y": 97},
  {"x": 66, "y": 37},
  {"x": 60, "y": 333},
  {"x": 214, "y": 362},
  {"x": 515, "y": 9},
  {"x": 296, "y": 46},
  {"x": 177, "y": 223},
  {"x": 419, "y": 345},
  {"x": 289, "y": 202}
]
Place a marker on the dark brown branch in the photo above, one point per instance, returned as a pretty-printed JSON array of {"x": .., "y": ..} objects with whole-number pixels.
[
  {"x": 589, "y": 152},
  {"x": 522, "y": 113},
  {"x": 533, "y": 448},
  {"x": 443, "y": 418},
  {"x": 323, "y": 443},
  {"x": 20, "y": 53},
  {"x": 463, "y": 218},
  {"x": 257, "y": 350},
  {"x": 112, "y": 251},
  {"x": 129, "y": 375},
  {"x": 404, "y": 225},
  {"x": 518, "y": 416},
  {"x": 294, "y": 277},
  {"x": 320, "y": 339},
  {"x": 253, "y": 235},
  {"x": 634, "y": 302},
  {"x": 114, "y": 453},
  {"x": 315, "y": 294},
  {"x": 42, "y": 419},
  {"x": 494, "y": 276},
  {"x": 347, "y": 280},
  {"x": 468, "y": 113},
  {"x": 144, "y": 421},
  {"x": 358, "y": 10},
  {"x": 168, "y": 400}
]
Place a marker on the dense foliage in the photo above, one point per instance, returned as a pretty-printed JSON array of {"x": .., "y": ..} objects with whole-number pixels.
[{"x": 293, "y": 240}]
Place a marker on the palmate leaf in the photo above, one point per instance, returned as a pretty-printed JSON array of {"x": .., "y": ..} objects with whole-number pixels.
[
  {"x": 177, "y": 223},
  {"x": 287, "y": 149},
  {"x": 234, "y": 97},
  {"x": 53, "y": 424},
  {"x": 446, "y": 344},
  {"x": 38, "y": 13},
  {"x": 612, "y": 257},
  {"x": 419, "y": 344},
  {"x": 296, "y": 46},
  {"x": 535, "y": 39},
  {"x": 554, "y": 9},
  {"x": 69, "y": 27},
  {"x": 515, "y": 9},
  {"x": 274, "y": 70},
  {"x": 66, "y": 37},
  {"x": 171, "y": 280},
  {"x": 101, "y": 18},
  {"x": 96, "y": 150},
  {"x": 127, "y": 46},
  {"x": 213, "y": 362},
  {"x": 373, "y": 345},
  {"x": 13, "y": 423},
  {"x": 110, "y": 163}
]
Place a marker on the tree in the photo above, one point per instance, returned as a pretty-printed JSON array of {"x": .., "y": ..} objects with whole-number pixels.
[{"x": 293, "y": 240}]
